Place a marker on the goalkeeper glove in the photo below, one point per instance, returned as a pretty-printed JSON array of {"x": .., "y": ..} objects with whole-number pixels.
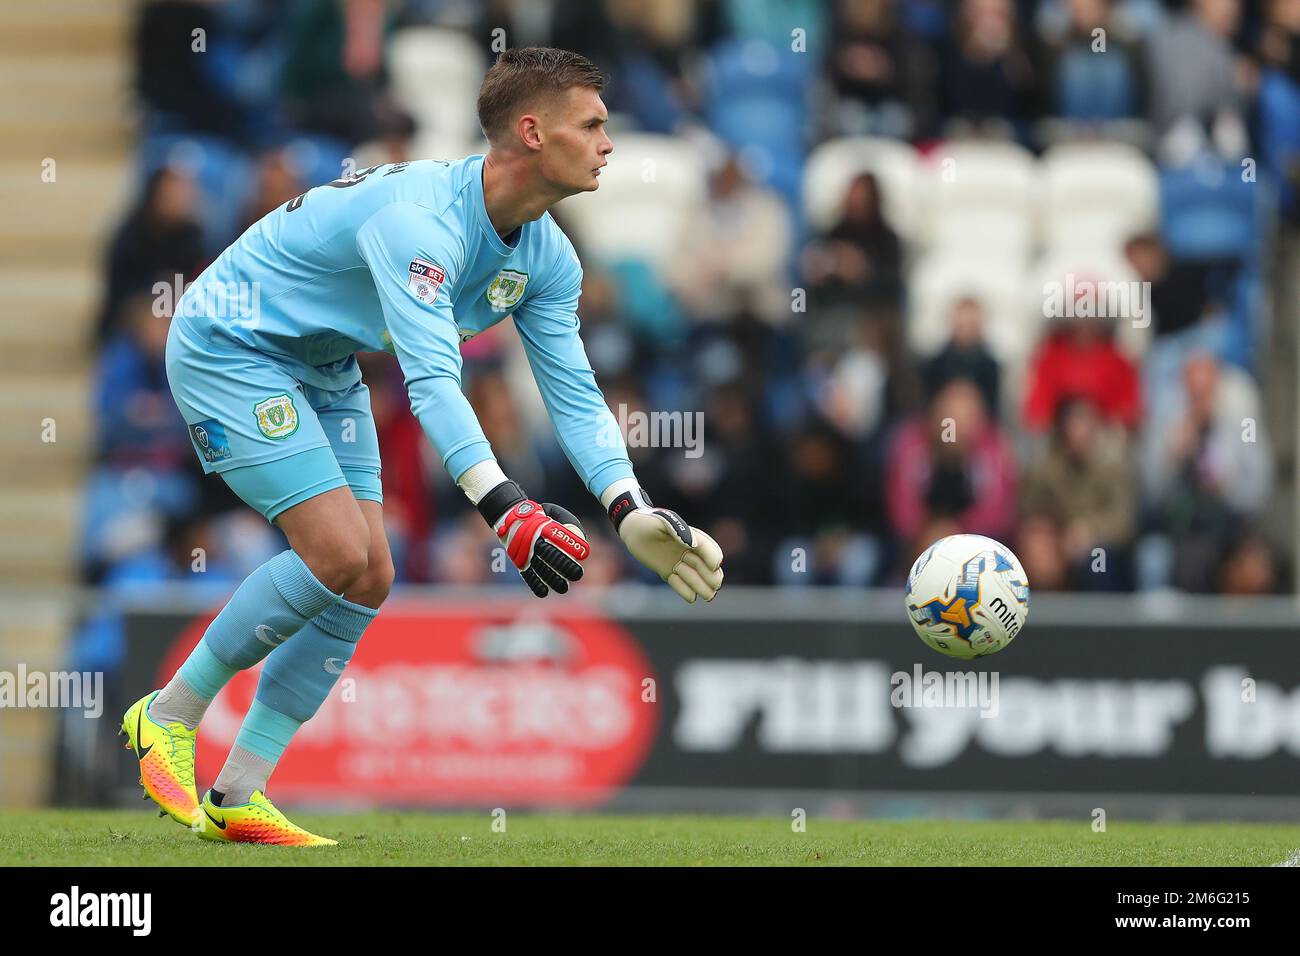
[
  {"x": 544, "y": 542},
  {"x": 686, "y": 558}
]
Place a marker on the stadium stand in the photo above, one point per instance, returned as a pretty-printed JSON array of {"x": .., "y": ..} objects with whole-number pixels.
[
  {"x": 50, "y": 247},
  {"x": 954, "y": 224}
]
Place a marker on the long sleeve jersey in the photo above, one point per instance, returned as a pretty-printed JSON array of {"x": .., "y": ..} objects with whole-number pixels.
[{"x": 403, "y": 258}]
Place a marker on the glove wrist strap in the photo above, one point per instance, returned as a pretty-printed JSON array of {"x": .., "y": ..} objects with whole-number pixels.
[
  {"x": 500, "y": 500},
  {"x": 626, "y": 503}
]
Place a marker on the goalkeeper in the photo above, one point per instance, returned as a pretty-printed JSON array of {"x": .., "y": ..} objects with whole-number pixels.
[{"x": 412, "y": 258}]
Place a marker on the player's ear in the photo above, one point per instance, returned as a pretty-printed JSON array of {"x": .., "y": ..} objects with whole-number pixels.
[{"x": 530, "y": 131}]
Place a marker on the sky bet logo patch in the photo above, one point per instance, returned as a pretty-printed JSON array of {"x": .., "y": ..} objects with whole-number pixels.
[
  {"x": 210, "y": 439},
  {"x": 424, "y": 279}
]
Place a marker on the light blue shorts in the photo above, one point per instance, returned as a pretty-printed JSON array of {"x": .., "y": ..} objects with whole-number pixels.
[{"x": 275, "y": 440}]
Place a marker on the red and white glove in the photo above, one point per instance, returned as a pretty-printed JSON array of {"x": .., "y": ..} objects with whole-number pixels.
[{"x": 544, "y": 541}]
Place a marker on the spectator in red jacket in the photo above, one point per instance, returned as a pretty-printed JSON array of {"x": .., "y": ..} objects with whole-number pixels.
[{"x": 1079, "y": 359}]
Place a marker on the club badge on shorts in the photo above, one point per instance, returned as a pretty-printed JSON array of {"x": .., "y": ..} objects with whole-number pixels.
[
  {"x": 424, "y": 279},
  {"x": 276, "y": 417},
  {"x": 506, "y": 290}
]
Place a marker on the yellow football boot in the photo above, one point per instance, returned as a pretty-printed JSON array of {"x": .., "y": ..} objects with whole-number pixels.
[
  {"x": 257, "y": 821},
  {"x": 166, "y": 755}
]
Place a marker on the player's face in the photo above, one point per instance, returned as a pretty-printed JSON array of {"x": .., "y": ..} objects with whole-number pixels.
[{"x": 576, "y": 143}]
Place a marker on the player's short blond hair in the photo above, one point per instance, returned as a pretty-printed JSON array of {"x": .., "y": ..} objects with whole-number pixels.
[{"x": 520, "y": 76}]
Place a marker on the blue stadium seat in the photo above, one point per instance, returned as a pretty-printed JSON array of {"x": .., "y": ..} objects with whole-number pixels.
[
  {"x": 758, "y": 104},
  {"x": 769, "y": 133},
  {"x": 319, "y": 158},
  {"x": 646, "y": 304},
  {"x": 1279, "y": 130},
  {"x": 1091, "y": 87},
  {"x": 1210, "y": 212},
  {"x": 645, "y": 92},
  {"x": 1246, "y": 317},
  {"x": 739, "y": 69},
  {"x": 116, "y": 499},
  {"x": 773, "y": 21}
]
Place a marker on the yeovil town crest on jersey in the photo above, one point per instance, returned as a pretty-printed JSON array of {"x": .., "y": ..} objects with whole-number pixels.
[
  {"x": 506, "y": 290},
  {"x": 276, "y": 417}
]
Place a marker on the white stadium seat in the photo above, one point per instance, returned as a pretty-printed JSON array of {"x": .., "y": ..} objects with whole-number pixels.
[
  {"x": 833, "y": 166},
  {"x": 999, "y": 235},
  {"x": 938, "y": 281},
  {"x": 436, "y": 74},
  {"x": 1096, "y": 195},
  {"x": 977, "y": 194},
  {"x": 647, "y": 193}
]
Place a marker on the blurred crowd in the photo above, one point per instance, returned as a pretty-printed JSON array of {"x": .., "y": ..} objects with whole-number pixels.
[{"x": 832, "y": 451}]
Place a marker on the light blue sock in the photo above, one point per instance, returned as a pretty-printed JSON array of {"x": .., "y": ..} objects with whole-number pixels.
[
  {"x": 264, "y": 733},
  {"x": 299, "y": 676},
  {"x": 272, "y": 604},
  {"x": 295, "y": 681}
]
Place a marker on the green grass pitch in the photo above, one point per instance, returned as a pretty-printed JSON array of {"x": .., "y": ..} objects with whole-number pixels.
[{"x": 121, "y": 837}]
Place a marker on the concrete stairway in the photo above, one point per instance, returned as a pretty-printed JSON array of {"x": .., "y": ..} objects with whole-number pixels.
[{"x": 65, "y": 70}]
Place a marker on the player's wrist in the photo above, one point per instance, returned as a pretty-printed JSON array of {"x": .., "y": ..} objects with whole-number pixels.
[
  {"x": 625, "y": 502},
  {"x": 616, "y": 488},
  {"x": 494, "y": 505},
  {"x": 480, "y": 478}
]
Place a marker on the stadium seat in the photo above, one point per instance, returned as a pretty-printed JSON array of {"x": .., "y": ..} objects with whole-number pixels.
[
  {"x": 124, "y": 510},
  {"x": 1208, "y": 211},
  {"x": 768, "y": 133},
  {"x": 317, "y": 159},
  {"x": 647, "y": 93},
  {"x": 1003, "y": 235},
  {"x": 938, "y": 281},
  {"x": 739, "y": 69},
  {"x": 770, "y": 21},
  {"x": 1091, "y": 87},
  {"x": 647, "y": 305},
  {"x": 757, "y": 103},
  {"x": 1249, "y": 319},
  {"x": 645, "y": 197},
  {"x": 1097, "y": 195},
  {"x": 435, "y": 76},
  {"x": 966, "y": 183},
  {"x": 1279, "y": 130},
  {"x": 832, "y": 167}
]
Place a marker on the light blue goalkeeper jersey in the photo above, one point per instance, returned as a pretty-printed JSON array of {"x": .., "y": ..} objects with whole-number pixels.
[{"x": 403, "y": 258}]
